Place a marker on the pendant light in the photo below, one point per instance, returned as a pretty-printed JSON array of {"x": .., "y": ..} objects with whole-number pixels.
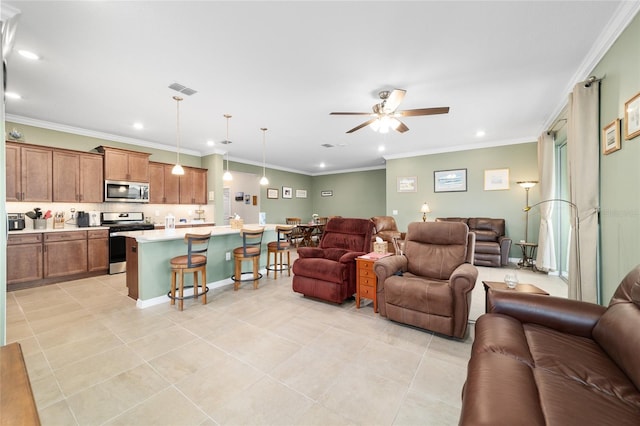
[
  {"x": 227, "y": 175},
  {"x": 177, "y": 169},
  {"x": 263, "y": 180}
]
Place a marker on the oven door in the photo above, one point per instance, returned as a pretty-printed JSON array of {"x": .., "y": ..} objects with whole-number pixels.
[{"x": 117, "y": 254}]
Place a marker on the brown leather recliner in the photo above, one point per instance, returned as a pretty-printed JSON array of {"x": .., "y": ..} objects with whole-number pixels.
[
  {"x": 430, "y": 285},
  {"x": 492, "y": 246},
  {"x": 386, "y": 228},
  {"x": 328, "y": 271}
]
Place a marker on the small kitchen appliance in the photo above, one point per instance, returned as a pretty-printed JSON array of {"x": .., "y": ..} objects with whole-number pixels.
[
  {"x": 94, "y": 218},
  {"x": 15, "y": 221},
  {"x": 82, "y": 219}
]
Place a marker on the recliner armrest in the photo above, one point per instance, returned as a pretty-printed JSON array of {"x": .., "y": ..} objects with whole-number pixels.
[
  {"x": 388, "y": 266},
  {"x": 464, "y": 277},
  {"x": 565, "y": 315},
  {"x": 304, "y": 252},
  {"x": 350, "y": 256},
  {"x": 505, "y": 247}
]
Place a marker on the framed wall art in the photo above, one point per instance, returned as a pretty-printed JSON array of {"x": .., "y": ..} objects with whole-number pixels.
[
  {"x": 272, "y": 193},
  {"x": 407, "y": 184},
  {"x": 496, "y": 179},
  {"x": 611, "y": 137},
  {"x": 326, "y": 193},
  {"x": 450, "y": 180},
  {"x": 632, "y": 118},
  {"x": 301, "y": 193},
  {"x": 287, "y": 192}
]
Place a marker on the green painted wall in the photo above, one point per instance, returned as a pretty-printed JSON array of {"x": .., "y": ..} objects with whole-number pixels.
[
  {"x": 521, "y": 160},
  {"x": 620, "y": 174}
]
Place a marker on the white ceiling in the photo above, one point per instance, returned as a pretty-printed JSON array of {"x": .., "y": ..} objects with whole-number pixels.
[{"x": 502, "y": 67}]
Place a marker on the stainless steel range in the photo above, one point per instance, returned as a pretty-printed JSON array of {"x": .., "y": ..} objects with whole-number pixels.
[{"x": 121, "y": 222}]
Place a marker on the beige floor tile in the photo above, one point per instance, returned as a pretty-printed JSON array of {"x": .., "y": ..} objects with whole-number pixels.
[
  {"x": 96, "y": 369},
  {"x": 168, "y": 407},
  {"x": 46, "y": 391},
  {"x": 439, "y": 379},
  {"x": 406, "y": 337},
  {"x": 299, "y": 329},
  {"x": 390, "y": 362},
  {"x": 107, "y": 400},
  {"x": 339, "y": 343},
  {"x": 364, "y": 397},
  {"x": 51, "y": 311},
  {"x": 70, "y": 333},
  {"x": 19, "y": 330},
  {"x": 37, "y": 365},
  {"x": 135, "y": 330},
  {"x": 265, "y": 402},
  {"x": 29, "y": 346},
  {"x": 179, "y": 363},
  {"x": 317, "y": 415},
  {"x": 75, "y": 351},
  {"x": 153, "y": 345},
  {"x": 65, "y": 319},
  {"x": 418, "y": 409},
  {"x": 57, "y": 414}
]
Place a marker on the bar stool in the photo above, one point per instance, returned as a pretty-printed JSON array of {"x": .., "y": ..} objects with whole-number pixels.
[
  {"x": 279, "y": 247},
  {"x": 250, "y": 250},
  {"x": 194, "y": 261}
]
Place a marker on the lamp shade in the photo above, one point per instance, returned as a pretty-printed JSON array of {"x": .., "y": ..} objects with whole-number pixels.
[
  {"x": 526, "y": 184},
  {"x": 425, "y": 208}
]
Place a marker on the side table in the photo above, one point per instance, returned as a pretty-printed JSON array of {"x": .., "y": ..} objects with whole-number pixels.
[
  {"x": 528, "y": 255},
  {"x": 366, "y": 281},
  {"x": 521, "y": 288}
]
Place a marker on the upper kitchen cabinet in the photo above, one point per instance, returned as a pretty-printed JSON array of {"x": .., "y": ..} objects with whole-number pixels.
[
  {"x": 29, "y": 172},
  {"x": 193, "y": 186},
  {"x": 125, "y": 165},
  {"x": 163, "y": 185},
  {"x": 77, "y": 177}
]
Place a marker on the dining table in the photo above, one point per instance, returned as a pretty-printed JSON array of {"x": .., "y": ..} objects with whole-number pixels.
[{"x": 307, "y": 230}]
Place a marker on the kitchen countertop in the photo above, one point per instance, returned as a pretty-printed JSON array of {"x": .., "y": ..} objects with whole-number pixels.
[
  {"x": 65, "y": 229},
  {"x": 150, "y": 236}
]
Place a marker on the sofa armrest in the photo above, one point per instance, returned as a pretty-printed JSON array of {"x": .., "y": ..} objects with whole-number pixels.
[
  {"x": 388, "y": 266},
  {"x": 565, "y": 315},
  {"x": 505, "y": 247},
  {"x": 304, "y": 252},
  {"x": 463, "y": 278}
]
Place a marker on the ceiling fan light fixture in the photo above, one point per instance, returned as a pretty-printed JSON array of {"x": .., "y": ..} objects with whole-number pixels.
[{"x": 177, "y": 169}]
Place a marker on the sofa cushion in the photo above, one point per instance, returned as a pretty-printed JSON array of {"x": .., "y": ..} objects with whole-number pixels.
[
  {"x": 490, "y": 236},
  {"x": 486, "y": 247},
  {"x": 487, "y": 224},
  {"x": 414, "y": 293}
]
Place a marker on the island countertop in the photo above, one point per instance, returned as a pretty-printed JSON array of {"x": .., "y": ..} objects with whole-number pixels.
[{"x": 157, "y": 235}]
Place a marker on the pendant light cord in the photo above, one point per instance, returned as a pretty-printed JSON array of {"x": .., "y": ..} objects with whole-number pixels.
[
  {"x": 178, "y": 99},
  {"x": 264, "y": 145}
]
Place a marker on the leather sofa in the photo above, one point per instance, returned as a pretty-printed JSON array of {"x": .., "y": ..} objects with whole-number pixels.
[
  {"x": 386, "y": 228},
  {"x": 492, "y": 247},
  {"x": 328, "y": 272},
  {"x": 542, "y": 360}
]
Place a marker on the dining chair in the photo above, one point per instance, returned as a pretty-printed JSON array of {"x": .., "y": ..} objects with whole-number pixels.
[{"x": 296, "y": 234}]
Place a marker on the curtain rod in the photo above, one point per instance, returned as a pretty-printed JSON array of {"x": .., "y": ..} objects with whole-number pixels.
[{"x": 553, "y": 129}]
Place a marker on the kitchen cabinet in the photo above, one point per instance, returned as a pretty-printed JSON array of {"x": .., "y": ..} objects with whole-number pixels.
[
  {"x": 29, "y": 172},
  {"x": 193, "y": 186},
  {"x": 24, "y": 258},
  {"x": 77, "y": 177},
  {"x": 132, "y": 267},
  {"x": 98, "y": 250},
  {"x": 164, "y": 187},
  {"x": 65, "y": 253},
  {"x": 125, "y": 165}
]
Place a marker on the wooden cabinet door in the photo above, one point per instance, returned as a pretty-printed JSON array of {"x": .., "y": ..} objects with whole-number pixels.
[
  {"x": 36, "y": 173},
  {"x": 156, "y": 183},
  {"x": 132, "y": 267},
  {"x": 186, "y": 186},
  {"x": 138, "y": 167},
  {"x": 65, "y": 253},
  {"x": 91, "y": 178},
  {"x": 97, "y": 250},
  {"x": 24, "y": 259},
  {"x": 14, "y": 189},
  {"x": 200, "y": 186},
  {"x": 171, "y": 186},
  {"x": 66, "y": 177},
  {"x": 116, "y": 165}
]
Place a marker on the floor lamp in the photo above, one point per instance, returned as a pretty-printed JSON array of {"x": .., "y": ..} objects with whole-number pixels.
[
  {"x": 576, "y": 227},
  {"x": 527, "y": 185}
]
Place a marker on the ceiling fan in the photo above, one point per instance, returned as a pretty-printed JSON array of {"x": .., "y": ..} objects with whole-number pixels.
[{"x": 385, "y": 114}]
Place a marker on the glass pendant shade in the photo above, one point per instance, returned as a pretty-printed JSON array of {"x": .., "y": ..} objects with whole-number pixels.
[
  {"x": 264, "y": 180},
  {"x": 177, "y": 169}
]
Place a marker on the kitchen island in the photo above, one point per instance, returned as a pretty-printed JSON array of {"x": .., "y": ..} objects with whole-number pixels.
[{"x": 149, "y": 253}]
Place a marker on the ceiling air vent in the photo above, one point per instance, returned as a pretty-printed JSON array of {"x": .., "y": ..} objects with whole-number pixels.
[
  {"x": 225, "y": 142},
  {"x": 182, "y": 89},
  {"x": 328, "y": 145}
]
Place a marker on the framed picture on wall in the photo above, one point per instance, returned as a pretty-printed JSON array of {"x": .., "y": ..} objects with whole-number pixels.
[
  {"x": 632, "y": 117},
  {"x": 496, "y": 179},
  {"x": 407, "y": 184},
  {"x": 450, "y": 180},
  {"x": 272, "y": 193},
  {"x": 611, "y": 137},
  {"x": 287, "y": 192},
  {"x": 301, "y": 193},
  {"x": 326, "y": 193}
]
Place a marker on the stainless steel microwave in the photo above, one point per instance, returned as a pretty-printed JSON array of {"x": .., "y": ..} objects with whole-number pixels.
[{"x": 126, "y": 192}]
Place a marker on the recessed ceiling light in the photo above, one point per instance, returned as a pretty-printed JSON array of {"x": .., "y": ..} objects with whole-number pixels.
[
  {"x": 29, "y": 55},
  {"x": 138, "y": 125},
  {"x": 210, "y": 143},
  {"x": 381, "y": 148},
  {"x": 480, "y": 133},
  {"x": 12, "y": 95},
  {"x": 322, "y": 165}
]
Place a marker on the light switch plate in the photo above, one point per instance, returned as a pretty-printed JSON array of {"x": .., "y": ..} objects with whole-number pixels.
[
  {"x": 395, "y": 212},
  {"x": 212, "y": 196}
]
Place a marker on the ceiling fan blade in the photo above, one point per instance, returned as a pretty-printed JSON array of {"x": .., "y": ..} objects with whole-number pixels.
[
  {"x": 365, "y": 124},
  {"x": 401, "y": 127},
  {"x": 394, "y": 99},
  {"x": 422, "y": 111},
  {"x": 349, "y": 113}
]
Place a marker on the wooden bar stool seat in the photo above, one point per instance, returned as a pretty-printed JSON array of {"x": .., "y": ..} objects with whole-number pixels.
[
  {"x": 250, "y": 250},
  {"x": 278, "y": 248},
  {"x": 194, "y": 261}
]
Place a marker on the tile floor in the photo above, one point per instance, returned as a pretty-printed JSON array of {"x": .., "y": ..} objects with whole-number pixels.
[{"x": 266, "y": 356}]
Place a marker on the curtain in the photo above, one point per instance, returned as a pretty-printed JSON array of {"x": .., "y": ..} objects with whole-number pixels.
[
  {"x": 583, "y": 153},
  {"x": 546, "y": 259}
]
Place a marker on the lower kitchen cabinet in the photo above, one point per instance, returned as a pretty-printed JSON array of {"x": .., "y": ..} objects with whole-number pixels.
[
  {"x": 65, "y": 253},
  {"x": 98, "y": 250},
  {"x": 132, "y": 267},
  {"x": 24, "y": 258}
]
